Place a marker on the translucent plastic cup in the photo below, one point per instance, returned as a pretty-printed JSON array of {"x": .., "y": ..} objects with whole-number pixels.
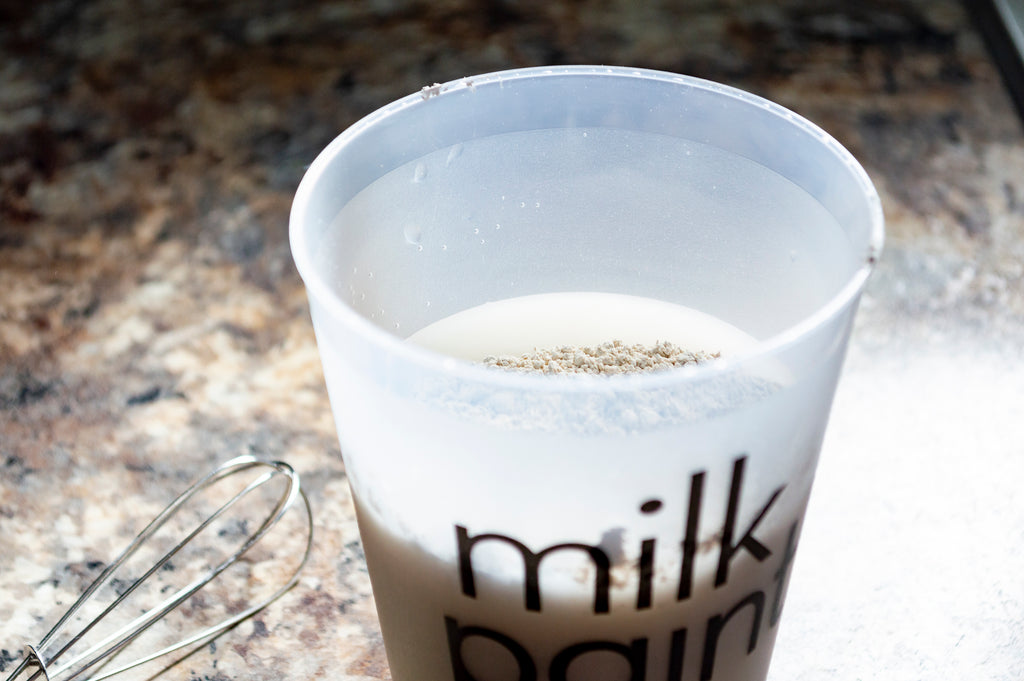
[{"x": 582, "y": 528}]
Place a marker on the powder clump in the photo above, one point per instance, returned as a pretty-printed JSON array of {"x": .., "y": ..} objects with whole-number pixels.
[{"x": 613, "y": 357}]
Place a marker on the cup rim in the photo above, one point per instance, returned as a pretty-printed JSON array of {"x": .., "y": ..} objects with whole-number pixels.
[{"x": 454, "y": 368}]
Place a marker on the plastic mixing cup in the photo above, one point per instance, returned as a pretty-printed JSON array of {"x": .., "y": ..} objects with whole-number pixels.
[{"x": 531, "y": 526}]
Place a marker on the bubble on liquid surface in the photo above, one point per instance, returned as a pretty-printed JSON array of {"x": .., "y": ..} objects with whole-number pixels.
[
  {"x": 420, "y": 173},
  {"x": 413, "y": 234},
  {"x": 453, "y": 154}
]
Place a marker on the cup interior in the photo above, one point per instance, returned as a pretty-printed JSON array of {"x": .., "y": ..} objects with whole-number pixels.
[{"x": 585, "y": 179}]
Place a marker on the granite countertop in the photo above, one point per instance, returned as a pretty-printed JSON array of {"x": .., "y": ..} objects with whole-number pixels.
[{"x": 152, "y": 324}]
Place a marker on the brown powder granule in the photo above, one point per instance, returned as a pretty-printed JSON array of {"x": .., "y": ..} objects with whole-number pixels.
[{"x": 615, "y": 357}]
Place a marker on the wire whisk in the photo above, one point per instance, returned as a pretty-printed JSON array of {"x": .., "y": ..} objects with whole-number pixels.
[{"x": 52, "y": 659}]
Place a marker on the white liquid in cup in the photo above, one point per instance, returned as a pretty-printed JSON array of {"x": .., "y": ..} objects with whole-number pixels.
[
  {"x": 436, "y": 632},
  {"x": 516, "y": 326}
]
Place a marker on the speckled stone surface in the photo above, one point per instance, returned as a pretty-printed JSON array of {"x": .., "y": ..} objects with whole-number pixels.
[{"x": 152, "y": 324}]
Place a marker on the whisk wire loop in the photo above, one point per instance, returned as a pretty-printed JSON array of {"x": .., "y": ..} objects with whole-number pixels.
[{"x": 82, "y": 663}]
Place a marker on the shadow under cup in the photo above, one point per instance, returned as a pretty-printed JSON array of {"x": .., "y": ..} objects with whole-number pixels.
[{"x": 582, "y": 528}]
